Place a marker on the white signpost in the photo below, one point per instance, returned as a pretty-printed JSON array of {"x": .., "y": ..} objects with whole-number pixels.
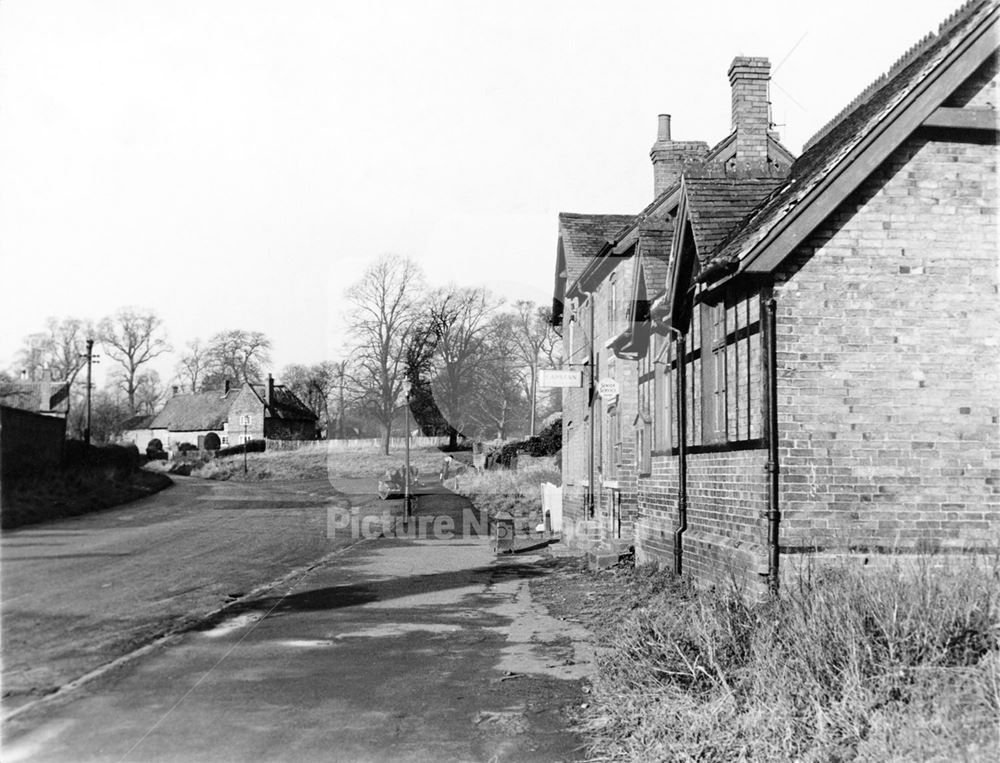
[{"x": 559, "y": 377}]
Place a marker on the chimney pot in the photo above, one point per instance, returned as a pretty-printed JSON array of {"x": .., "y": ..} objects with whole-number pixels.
[
  {"x": 663, "y": 128},
  {"x": 24, "y": 374}
]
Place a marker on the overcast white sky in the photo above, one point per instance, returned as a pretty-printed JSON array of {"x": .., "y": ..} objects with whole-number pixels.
[{"x": 237, "y": 164}]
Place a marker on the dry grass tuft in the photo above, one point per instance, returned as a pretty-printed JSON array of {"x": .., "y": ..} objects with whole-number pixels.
[
  {"x": 848, "y": 664},
  {"x": 318, "y": 462},
  {"x": 503, "y": 490}
]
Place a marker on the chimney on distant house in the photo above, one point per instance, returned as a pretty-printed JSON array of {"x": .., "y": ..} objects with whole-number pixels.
[
  {"x": 24, "y": 374},
  {"x": 670, "y": 157},
  {"x": 176, "y": 389},
  {"x": 270, "y": 390},
  {"x": 749, "y": 78}
]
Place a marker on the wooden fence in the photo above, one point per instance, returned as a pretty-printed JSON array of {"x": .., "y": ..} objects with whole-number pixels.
[{"x": 370, "y": 443}]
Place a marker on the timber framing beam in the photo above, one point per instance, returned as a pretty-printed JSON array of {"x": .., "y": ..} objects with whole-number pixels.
[{"x": 963, "y": 119}]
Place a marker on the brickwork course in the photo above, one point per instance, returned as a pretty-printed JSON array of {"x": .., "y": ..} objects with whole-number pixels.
[{"x": 879, "y": 249}]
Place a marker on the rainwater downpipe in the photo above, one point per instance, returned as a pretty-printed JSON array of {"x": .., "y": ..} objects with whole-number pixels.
[
  {"x": 591, "y": 478},
  {"x": 773, "y": 512},
  {"x": 682, "y": 490}
]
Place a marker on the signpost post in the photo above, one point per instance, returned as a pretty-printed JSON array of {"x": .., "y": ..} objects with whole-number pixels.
[
  {"x": 245, "y": 420},
  {"x": 406, "y": 423}
]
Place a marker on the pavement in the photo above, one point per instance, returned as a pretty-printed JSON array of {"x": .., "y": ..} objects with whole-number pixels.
[{"x": 394, "y": 647}]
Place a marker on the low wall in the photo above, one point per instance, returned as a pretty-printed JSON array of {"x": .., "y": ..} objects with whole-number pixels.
[{"x": 29, "y": 440}]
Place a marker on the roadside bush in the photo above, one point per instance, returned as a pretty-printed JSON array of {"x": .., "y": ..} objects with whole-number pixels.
[
  {"x": 848, "y": 664},
  {"x": 125, "y": 457},
  {"x": 254, "y": 446},
  {"x": 548, "y": 442},
  {"x": 187, "y": 447}
]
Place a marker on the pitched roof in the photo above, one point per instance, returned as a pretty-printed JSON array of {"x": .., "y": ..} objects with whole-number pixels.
[
  {"x": 285, "y": 404},
  {"x": 137, "y": 422},
  {"x": 37, "y": 396},
  {"x": 197, "y": 411},
  {"x": 864, "y": 118},
  {"x": 583, "y": 236},
  {"x": 716, "y": 205}
]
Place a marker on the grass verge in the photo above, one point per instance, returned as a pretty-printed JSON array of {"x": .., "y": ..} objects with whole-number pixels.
[
  {"x": 514, "y": 491},
  {"x": 78, "y": 489},
  {"x": 319, "y": 462},
  {"x": 847, "y": 664}
]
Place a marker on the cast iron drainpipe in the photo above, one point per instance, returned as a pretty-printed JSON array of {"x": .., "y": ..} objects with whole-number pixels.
[
  {"x": 773, "y": 513},
  {"x": 682, "y": 496},
  {"x": 591, "y": 476}
]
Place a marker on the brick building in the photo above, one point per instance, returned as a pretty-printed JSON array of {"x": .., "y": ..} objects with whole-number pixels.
[
  {"x": 827, "y": 341},
  {"x": 814, "y": 343},
  {"x": 607, "y": 267},
  {"x": 215, "y": 418}
]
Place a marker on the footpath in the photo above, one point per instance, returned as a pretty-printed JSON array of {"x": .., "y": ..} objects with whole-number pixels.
[{"x": 396, "y": 649}]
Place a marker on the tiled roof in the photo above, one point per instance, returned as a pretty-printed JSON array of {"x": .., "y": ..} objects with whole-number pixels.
[
  {"x": 863, "y": 116},
  {"x": 583, "y": 236},
  {"x": 44, "y": 396},
  {"x": 716, "y": 205},
  {"x": 203, "y": 410},
  {"x": 654, "y": 255},
  {"x": 137, "y": 422},
  {"x": 285, "y": 404}
]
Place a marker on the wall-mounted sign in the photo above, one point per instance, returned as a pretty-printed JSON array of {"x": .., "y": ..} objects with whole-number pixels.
[
  {"x": 559, "y": 377},
  {"x": 607, "y": 389}
]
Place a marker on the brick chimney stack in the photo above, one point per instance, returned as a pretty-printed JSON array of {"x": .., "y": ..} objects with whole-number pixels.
[
  {"x": 270, "y": 390},
  {"x": 749, "y": 79},
  {"x": 670, "y": 157}
]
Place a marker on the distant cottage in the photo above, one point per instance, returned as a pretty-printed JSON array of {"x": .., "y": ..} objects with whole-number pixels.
[
  {"x": 810, "y": 349},
  {"x": 45, "y": 396},
  {"x": 217, "y": 418}
]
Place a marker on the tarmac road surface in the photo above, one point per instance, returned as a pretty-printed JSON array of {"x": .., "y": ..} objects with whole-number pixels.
[{"x": 392, "y": 648}]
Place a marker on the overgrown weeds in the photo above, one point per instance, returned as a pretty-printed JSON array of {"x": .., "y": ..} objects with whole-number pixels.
[
  {"x": 516, "y": 492},
  {"x": 320, "y": 461},
  {"x": 847, "y": 664}
]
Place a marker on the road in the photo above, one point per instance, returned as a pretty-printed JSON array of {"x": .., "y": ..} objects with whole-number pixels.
[
  {"x": 390, "y": 648},
  {"x": 79, "y": 592}
]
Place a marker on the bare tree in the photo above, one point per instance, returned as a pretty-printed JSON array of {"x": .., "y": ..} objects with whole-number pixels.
[
  {"x": 459, "y": 319},
  {"x": 194, "y": 364},
  {"x": 149, "y": 392},
  {"x": 238, "y": 355},
  {"x": 59, "y": 348},
  {"x": 500, "y": 403},
  {"x": 132, "y": 337},
  {"x": 536, "y": 343},
  {"x": 381, "y": 324}
]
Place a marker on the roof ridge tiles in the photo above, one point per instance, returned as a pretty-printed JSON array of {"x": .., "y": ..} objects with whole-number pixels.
[{"x": 911, "y": 55}]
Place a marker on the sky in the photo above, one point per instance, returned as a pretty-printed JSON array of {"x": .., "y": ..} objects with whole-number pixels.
[{"x": 238, "y": 164}]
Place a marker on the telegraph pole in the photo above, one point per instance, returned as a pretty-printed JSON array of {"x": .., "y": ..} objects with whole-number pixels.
[{"x": 90, "y": 363}]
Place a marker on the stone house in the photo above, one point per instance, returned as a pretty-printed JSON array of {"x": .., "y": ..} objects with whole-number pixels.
[
  {"x": 45, "y": 396},
  {"x": 218, "y": 418},
  {"x": 821, "y": 363}
]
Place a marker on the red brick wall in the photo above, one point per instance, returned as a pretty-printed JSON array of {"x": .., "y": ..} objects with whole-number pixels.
[
  {"x": 888, "y": 361},
  {"x": 887, "y": 344}
]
